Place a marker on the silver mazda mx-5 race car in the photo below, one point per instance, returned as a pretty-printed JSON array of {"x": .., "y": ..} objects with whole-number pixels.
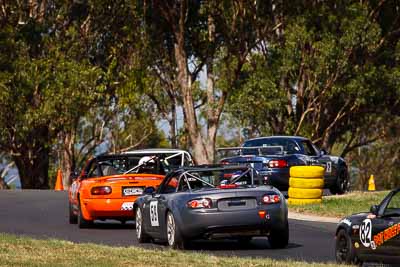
[{"x": 212, "y": 202}]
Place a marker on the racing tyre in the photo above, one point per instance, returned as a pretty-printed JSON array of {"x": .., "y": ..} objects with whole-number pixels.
[
  {"x": 82, "y": 222},
  {"x": 174, "y": 236},
  {"x": 279, "y": 238},
  {"x": 304, "y": 193},
  {"x": 73, "y": 219},
  {"x": 344, "y": 250},
  {"x": 311, "y": 183},
  {"x": 302, "y": 201},
  {"x": 342, "y": 184},
  {"x": 141, "y": 235},
  {"x": 307, "y": 171}
]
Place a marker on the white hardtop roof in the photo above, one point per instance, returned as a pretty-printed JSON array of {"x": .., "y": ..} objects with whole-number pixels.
[{"x": 155, "y": 151}]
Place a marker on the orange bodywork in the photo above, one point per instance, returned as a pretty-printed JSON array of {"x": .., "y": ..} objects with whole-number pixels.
[{"x": 110, "y": 206}]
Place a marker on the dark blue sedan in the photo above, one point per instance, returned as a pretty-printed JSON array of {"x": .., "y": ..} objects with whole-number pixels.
[{"x": 273, "y": 156}]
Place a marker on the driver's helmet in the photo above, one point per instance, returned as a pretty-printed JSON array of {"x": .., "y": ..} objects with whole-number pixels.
[{"x": 147, "y": 160}]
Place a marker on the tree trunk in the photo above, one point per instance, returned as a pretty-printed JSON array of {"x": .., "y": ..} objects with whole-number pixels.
[
  {"x": 32, "y": 162},
  {"x": 212, "y": 117},
  {"x": 185, "y": 83},
  {"x": 172, "y": 126},
  {"x": 67, "y": 161}
]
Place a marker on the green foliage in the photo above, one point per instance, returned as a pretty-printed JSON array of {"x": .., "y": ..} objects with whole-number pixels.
[
  {"x": 102, "y": 74},
  {"x": 46, "y": 83},
  {"x": 260, "y": 99},
  {"x": 322, "y": 76}
]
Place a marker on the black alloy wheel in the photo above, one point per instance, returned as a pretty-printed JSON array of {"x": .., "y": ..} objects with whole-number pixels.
[{"x": 344, "y": 250}]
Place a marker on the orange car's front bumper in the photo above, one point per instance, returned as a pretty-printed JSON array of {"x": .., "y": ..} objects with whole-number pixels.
[{"x": 108, "y": 208}]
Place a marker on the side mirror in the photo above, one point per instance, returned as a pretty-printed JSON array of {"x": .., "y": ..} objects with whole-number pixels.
[
  {"x": 374, "y": 209},
  {"x": 149, "y": 190},
  {"x": 323, "y": 152}
]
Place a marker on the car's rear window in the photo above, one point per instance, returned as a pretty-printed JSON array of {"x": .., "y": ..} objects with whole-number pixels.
[
  {"x": 288, "y": 146},
  {"x": 141, "y": 163},
  {"x": 209, "y": 179}
]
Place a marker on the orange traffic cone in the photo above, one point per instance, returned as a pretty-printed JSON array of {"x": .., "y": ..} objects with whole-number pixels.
[
  {"x": 59, "y": 183},
  {"x": 371, "y": 183}
]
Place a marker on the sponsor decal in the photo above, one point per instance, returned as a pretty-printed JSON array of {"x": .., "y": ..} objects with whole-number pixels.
[
  {"x": 386, "y": 235},
  {"x": 127, "y": 206},
  {"x": 154, "y": 213},
  {"x": 356, "y": 245},
  {"x": 356, "y": 227},
  {"x": 346, "y": 221},
  {"x": 365, "y": 233}
]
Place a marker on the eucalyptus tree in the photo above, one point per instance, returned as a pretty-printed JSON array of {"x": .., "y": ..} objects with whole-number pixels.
[
  {"x": 193, "y": 37},
  {"x": 45, "y": 84},
  {"x": 328, "y": 72}
]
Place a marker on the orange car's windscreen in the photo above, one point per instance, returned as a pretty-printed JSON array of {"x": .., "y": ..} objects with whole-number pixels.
[
  {"x": 152, "y": 164},
  {"x": 114, "y": 166}
]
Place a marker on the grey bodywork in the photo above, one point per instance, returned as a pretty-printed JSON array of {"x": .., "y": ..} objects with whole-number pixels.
[{"x": 219, "y": 221}]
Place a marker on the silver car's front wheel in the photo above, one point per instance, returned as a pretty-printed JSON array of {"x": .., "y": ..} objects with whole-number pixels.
[
  {"x": 141, "y": 236},
  {"x": 173, "y": 236}
]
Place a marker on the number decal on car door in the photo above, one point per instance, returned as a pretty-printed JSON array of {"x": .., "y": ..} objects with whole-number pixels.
[
  {"x": 154, "y": 213},
  {"x": 328, "y": 168},
  {"x": 365, "y": 232}
]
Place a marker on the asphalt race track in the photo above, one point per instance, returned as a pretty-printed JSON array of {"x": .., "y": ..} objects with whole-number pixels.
[{"x": 44, "y": 214}]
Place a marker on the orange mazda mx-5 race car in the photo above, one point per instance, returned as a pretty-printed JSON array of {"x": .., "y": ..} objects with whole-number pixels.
[{"x": 109, "y": 184}]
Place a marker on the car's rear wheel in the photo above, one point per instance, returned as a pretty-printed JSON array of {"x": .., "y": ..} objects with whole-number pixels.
[
  {"x": 344, "y": 251},
  {"x": 141, "y": 235},
  {"x": 279, "y": 238},
  {"x": 342, "y": 183},
  {"x": 82, "y": 222},
  {"x": 174, "y": 237},
  {"x": 73, "y": 218}
]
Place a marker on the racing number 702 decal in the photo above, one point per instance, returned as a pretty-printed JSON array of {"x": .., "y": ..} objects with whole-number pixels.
[{"x": 154, "y": 213}]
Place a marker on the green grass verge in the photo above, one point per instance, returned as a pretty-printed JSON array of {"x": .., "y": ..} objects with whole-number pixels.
[
  {"x": 24, "y": 251},
  {"x": 343, "y": 205}
]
